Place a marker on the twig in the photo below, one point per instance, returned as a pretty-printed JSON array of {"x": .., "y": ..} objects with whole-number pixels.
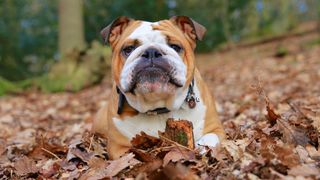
[
  {"x": 296, "y": 109},
  {"x": 162, "y": 148},
  {"x": 175, "y": 143},
  {"x": 279, "y": 119},
  {"x": 90, "y": 145},
  {"x": 51, "y": 153}
]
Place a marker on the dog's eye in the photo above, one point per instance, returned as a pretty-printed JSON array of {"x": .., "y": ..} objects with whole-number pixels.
[
  {"x": 176, "y": 47},
  {"x": 128, "y": 50}
]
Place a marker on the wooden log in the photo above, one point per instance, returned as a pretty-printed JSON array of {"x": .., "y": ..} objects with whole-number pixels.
[{"x": 180, "y": 131}]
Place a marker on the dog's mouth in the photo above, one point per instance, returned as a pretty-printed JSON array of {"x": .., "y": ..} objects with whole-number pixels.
[{"x": 153, "y": 76}]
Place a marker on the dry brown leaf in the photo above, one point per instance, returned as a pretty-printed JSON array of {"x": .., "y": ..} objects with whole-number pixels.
[
  {"x": 112, "y": 169},
  {"x": 2, "y": 146},
  {"x": 313, "y": 153},
  {"x": 83, "y": 155},
  {"x": 142, "y": 168},
  {"x": 232, "y": 149},
  {"x": 143, "y": 156},
  {"x": 118, "y": 165},
  {"x": 68, "y": 166},
  {"x": 25, "y": 166},
  {"x": 271, "y": 116},
  {"x": 177, "y": 154},
  {"x": 305, "y": 170},
  {"x": 179, "y": 171},
  {"x": 286, "y": 155},
  {"x": 303, "y": 154},
  {"x": 50, "y": 168},
  {"x": 292, "y": 134},
  {"x": 97, "y": 167},
  {"x": 144, "y": 141}
]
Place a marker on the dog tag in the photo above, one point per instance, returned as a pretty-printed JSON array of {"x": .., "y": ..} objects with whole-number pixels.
[{"x": 192, "y": 102}]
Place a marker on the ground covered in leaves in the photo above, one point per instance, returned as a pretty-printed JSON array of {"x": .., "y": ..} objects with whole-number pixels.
[{"x": 268, "y": 100}]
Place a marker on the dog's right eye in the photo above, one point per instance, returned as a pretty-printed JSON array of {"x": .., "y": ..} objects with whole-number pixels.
[
  {"x": 128, "y": 50},
  {"x": 176, "y": 47}
]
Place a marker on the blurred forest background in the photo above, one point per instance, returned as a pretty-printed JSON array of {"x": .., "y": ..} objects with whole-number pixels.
[{"x": 56, "y": 45}]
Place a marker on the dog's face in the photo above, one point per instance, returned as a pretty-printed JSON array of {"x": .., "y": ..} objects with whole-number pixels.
[{"x": 153, "y": 63}]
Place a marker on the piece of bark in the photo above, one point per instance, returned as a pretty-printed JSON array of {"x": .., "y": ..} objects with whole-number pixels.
[
  {"x": 180, "y": 131},
  {"x": 144, "y": 141}
]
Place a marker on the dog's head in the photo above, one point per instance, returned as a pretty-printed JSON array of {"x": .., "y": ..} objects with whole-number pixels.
[{"x": 153, "y": 63}]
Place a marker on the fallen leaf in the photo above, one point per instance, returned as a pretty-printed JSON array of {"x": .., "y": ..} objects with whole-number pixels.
[
  {"x": 118, "y": 165},
  {"x": 232, "y": 149},
  {"x": 305, "y": 170},
  {"x": 97, "y": 167},
  {"x": 50, "y": 168},
  {"x": 292, "y": 134},
  {"x": 145, "y": 168},
  {"x": 113, "y": 168},
  {"x": 143, "y": 156},
  {"x": 286, "y": 155},
  {"x": 177, "y": 154},
  {"x": 83, "y": 155},
  {"x": 179, "y": 171},
  {"x": 303, "y": 154},
  {"x": 25, "y": 166},
  {"x": 144, "y": 141},
  {"x": 313, "y": 153},
  {"x": 271, "y": 116}
]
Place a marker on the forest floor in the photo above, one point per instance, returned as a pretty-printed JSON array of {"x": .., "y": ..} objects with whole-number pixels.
[{"x": 268, "y": 98}]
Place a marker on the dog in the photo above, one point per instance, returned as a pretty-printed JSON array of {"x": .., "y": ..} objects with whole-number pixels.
[{"x": 155, "y": 78}]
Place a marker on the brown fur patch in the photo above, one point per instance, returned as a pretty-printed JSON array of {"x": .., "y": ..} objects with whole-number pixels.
[
  {"x": 117, "y": 58},
  {"x": 176, "y": 36}
]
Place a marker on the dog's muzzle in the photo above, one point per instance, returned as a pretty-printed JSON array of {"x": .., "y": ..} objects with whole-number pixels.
[{"x": 152, "y": 72}]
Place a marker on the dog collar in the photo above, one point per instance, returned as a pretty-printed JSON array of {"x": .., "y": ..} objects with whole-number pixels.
[{"x": 191, "y": 99}]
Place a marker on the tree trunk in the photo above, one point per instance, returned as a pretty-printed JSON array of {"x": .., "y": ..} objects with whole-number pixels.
[
  {"x": 226, "y": 23},
  {"x": 71, "y": 29}
]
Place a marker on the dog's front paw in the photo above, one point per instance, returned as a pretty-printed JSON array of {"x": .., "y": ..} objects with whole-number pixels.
[{"x": 208, "y": 140}]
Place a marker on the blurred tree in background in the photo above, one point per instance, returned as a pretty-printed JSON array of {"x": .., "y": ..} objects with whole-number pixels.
[
  {"x": 78, "y": 66},
  {"x": 29, "y": 29},
  {"x": 28, "y": 37},
  {"x": 71, "y": 28}
]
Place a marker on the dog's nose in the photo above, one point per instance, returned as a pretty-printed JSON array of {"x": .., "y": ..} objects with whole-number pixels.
[{"x": 151, "y": 53}]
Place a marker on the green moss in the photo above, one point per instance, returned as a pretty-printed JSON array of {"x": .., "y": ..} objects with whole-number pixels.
[
  {"x": 313, "y": 42},
  {"x": 6, "y": 87},
  {"x": 281, "y": 51},
  {"x": 182, "y": 138},
  {"x": 73, "y": 72}
]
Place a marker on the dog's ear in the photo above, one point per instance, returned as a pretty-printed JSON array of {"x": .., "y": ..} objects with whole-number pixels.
[
  {"x": 115, "y": 29},
  {"x": 189, "y": 26}
]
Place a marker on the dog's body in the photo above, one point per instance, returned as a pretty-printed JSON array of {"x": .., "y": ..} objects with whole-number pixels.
[{"x": 155, "y": 79}]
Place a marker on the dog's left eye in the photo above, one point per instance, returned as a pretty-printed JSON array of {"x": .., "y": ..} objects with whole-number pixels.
[
  {"x": 128, "y": 50},
  {"x": 176, "y": 47}
]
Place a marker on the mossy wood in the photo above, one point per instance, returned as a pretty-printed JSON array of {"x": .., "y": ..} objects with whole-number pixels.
[{"x": 180, "y": 131}]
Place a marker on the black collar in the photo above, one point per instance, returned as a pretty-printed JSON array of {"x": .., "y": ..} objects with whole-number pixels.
[{"x": 191, "y": 99}]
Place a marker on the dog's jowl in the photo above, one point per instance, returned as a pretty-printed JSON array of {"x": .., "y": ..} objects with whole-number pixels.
[{"x": 155, "y": 78}]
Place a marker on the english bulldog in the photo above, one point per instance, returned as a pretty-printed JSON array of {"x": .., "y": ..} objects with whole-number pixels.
[{"x": 155, "y": 78}]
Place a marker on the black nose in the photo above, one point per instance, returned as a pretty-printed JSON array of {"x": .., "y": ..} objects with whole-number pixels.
[{"x": 151, "y": 53}]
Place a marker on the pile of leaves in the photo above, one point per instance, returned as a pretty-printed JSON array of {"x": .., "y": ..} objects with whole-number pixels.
[{"x": 269, "y": 107}]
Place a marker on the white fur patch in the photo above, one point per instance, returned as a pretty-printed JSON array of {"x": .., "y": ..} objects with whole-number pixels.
[
  {"x": 209, "y": 139},
  {"x": 151, "y": 124},
  {"x": 147, "y": 35}
]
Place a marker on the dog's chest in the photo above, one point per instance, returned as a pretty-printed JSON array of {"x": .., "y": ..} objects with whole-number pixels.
[{"x": 151, "y": 124}]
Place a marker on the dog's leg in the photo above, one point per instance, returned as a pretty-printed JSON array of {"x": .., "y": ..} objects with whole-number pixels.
[{"x": 213, "y": 132}]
